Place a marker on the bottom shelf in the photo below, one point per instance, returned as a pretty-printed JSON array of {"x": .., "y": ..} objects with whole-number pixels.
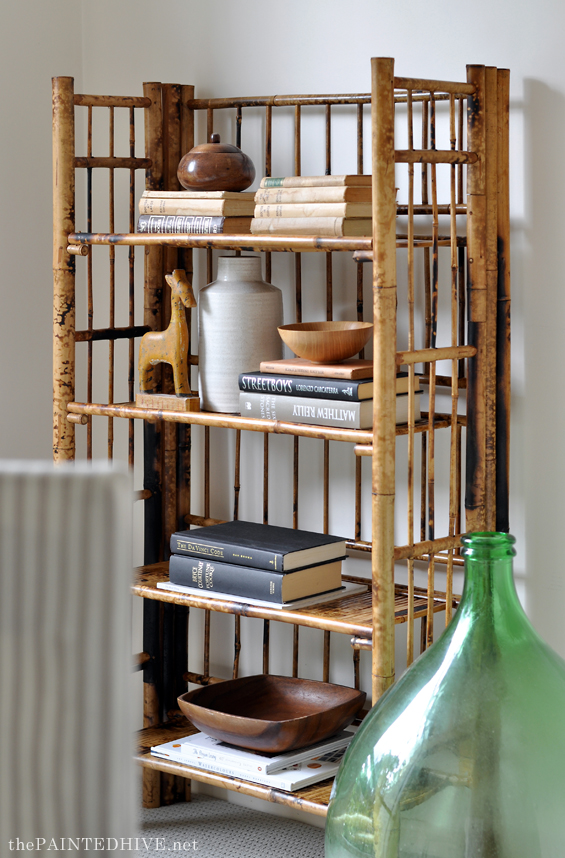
[{"x": 313, "y": 799}]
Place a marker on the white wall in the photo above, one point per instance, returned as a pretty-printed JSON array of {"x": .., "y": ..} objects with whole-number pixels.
[{"x": 263, "y": 47}]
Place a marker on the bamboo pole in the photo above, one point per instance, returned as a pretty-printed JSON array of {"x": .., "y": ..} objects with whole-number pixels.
[
  {"x": 411, "y": 388},
  {"x": 384, "y": 370},
  {"x": 475, "y": 500},
  {"x": 63, "y": 267},
  {"x": 503, "y": 307},
  {"x": 153, "y": 467},
  {"x": 491, "y": 264}
]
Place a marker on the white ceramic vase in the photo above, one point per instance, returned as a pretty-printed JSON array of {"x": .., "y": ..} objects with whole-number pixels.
[{"x": 238, "y": 316}]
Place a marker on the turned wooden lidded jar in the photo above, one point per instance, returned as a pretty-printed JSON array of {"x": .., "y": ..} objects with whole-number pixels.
[{"x": 216, "y": 166}]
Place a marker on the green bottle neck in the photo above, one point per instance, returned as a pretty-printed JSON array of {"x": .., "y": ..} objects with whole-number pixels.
[{"x": 489, "y": 581}]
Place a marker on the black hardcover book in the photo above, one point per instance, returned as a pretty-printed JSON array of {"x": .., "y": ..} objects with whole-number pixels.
[
  {"x": 264, "y": 546},
  {"x": 352, "y": 390},
  {"x": 206, "y": 575},
  {"x": 297, "y": 385}
]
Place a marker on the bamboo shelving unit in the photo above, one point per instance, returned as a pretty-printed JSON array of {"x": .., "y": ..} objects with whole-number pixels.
[{"x": 440, "y": 292}]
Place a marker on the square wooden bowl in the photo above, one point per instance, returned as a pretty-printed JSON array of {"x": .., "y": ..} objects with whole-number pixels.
[{"x": 272, "y": 714}]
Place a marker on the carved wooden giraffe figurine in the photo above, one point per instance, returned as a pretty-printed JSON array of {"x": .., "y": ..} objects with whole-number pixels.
[{"x": 170, "y": 346}]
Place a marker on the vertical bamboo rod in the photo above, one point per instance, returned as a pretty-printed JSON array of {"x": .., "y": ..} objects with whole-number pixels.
[
  {"x": 238, "y": 119},
  {"x": 266, "y": 644},
  {"x": 266, "y": 478},
  {"x": 358, "y": 477},
  {"x": 295, "y": 649},
  {"x": 326, "y": 503},
  {"x": 454, "y": 365},
  {"x": 435, "y": 229},
  {"x": 295, "y": 470},
  {"x": 206, "y": 472},
  {"x": 503, "y": 308},
  {"x": 186, "y": 262},
  {"x": 326, "y": 658},
  {"x": 360, "y": 266},
  {"x": 268, "y": 168},
  {"x": 431, "y": 504},
  {"x": 356, "y": 669},
  {"x": 171, "y": 136},
  {"x": 491, "y": 250},
  {"x": 206, "y": 659},
  {"x": 63, "y": 266},
  {"x": 236, "y": 646},
  {"x": 475, "y": 500},
  {"x": 152, "y": 453},
  {"x": 89, "y": 283},
  {"x": 411, "y": 387},
  {"x": 237, "y": 472},
  {"x": 427, "y": 320},
  {"x": 131, "y": 289},
  {"x": 298, "y": 306},
  {"x": 384, "y": 370},
  {"x": 112, "y": 302}
]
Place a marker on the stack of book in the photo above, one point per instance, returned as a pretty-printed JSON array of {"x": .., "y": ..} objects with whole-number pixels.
[
  {"x": 289, "y": 771},
  {"x": 257, "y": 563},
  {"x": 200, "y": 212},
  {"x": 299, "y": 391},
  {"x": 313, "y": 205}
]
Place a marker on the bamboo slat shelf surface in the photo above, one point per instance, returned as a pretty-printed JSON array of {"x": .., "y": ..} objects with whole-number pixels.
[
  {"x": 313, "y": 799},
  {"x": 349, "y": 615}
]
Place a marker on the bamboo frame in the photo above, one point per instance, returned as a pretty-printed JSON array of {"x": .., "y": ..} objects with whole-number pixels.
[{"x": 168, "y": 494}]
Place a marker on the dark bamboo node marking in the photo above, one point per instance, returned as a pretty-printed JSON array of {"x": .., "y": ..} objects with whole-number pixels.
[{"x": 111, "y": 333}]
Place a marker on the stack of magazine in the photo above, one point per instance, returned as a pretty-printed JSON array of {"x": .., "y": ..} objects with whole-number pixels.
[{"x": 289, "y": 771}]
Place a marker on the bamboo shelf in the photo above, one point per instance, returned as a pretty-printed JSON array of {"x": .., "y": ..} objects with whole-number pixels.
[
  {"x": 349, "y": 615},
  {"x": 313, "y": 799},
  {"x": 434, "y": 279}
]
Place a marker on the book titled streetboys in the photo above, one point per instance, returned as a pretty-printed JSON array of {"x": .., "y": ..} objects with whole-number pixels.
[
  {"x": 266, "y": 546},
  {"x": 318, "y": 388}
]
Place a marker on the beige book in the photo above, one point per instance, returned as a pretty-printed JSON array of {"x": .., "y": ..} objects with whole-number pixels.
[
  {"x": 314, "y": 210},
  {"x": 315, "y": 181},
  {"x": 195, "y": 206},
  {"x": 352, "y": 368},
  {"x": 335, "y": 194},
  {"x": 328, "y": 226}
]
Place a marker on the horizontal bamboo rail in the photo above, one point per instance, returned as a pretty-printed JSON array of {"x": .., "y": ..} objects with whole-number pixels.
[
  {"x": 112, "y": 162},
  {"x": 434, "y": 156},
  {"x": 430, "y": 355},
  {"x": 82, "y": 100},
  {"x": 226, "y": 421},
  {"x": 78, "y": 249},
  {"x": 445, "y": 86},
  {"x": 225, "y": 242}
]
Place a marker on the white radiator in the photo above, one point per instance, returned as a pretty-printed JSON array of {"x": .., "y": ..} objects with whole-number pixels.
[{"x": 65, "y": 656}]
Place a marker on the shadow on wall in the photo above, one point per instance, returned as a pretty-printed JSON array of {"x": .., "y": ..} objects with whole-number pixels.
[{"x": 544, "y": 358}]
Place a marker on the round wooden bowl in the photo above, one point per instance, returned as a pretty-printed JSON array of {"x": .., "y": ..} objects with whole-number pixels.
[
  {"x": 326, "y": 342},
  {"x": 271, "y": 713}
]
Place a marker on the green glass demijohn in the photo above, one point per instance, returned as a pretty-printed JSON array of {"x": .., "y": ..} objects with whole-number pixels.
[{"x": 465, "y": 756}]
